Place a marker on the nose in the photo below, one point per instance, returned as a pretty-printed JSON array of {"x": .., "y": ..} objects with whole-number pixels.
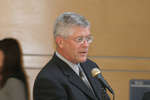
[{"x": 85, "y": 43}]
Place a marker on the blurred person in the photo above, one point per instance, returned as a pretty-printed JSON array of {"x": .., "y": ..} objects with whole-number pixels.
[
  {"x": 13, "y": 82},
  {"x": 1, "y": 62},
  {"x": 67, "y": 76}
]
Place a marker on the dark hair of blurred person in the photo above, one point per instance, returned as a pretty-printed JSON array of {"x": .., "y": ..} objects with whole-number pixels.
[{"x": 12, "y": 68}]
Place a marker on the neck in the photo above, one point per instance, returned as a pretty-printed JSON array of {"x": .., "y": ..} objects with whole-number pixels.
[{"x": 65, "y": 56}]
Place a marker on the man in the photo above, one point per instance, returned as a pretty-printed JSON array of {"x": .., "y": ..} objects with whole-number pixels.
[{"x": 67, "y": 76}]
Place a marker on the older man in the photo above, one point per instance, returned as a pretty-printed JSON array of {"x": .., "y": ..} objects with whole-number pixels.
[{"x": 67, "y": 76}]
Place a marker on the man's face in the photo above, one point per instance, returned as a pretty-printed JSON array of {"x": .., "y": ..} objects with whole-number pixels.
[
  {"x": 72, "y": 48},
  {"x": 1, "y": 59}
]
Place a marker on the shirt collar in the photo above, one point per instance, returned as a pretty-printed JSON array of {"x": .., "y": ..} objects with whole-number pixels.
[{"x": 71, "y": 65}]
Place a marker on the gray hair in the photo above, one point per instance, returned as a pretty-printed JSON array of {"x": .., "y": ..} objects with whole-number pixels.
[{"x": 65, "y": 22}]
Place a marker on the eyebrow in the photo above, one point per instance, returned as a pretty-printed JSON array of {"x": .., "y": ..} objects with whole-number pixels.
[{"x": 85, "y": 36}]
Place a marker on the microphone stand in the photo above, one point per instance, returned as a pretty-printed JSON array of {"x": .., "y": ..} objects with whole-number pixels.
[{"x": 104, "y": 93}]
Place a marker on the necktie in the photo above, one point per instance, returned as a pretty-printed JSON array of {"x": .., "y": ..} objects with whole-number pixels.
[{"x": 84, "y": 78}]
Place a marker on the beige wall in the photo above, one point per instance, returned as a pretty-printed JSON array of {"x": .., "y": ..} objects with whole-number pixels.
[{"x": 120, "y": 27}]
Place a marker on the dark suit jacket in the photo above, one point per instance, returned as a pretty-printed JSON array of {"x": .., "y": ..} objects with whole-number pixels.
[
  {"x": 57, "y": 81},
  {"x": 146, "y": 96}
]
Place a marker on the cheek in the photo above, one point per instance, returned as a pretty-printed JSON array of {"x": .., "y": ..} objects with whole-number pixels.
[
  {"x": 72, "y": 47},
  {"x": 76, "y": 50}
]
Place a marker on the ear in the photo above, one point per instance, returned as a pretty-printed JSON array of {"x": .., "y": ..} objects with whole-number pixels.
[{"x": 59, "y": 41}]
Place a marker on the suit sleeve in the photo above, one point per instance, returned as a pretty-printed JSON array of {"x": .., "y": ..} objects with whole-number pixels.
[{"x": 46, "y": 89}]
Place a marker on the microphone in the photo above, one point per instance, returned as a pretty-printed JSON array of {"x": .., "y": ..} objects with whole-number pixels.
[{"x": 97, "y": 74}]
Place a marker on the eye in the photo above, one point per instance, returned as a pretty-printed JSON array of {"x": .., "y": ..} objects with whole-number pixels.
[
  {"x": 79, "y": 39},
  {"x": 89, "y": 39}
]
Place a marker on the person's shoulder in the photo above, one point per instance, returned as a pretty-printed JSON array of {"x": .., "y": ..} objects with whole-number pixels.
[
  {"x": 50, "y": 70},
  {"x": 89, "y": 61},
  {"x": 13, "y": 82}
]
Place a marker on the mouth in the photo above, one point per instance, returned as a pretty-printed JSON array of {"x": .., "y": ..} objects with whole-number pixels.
[{"x": 84, "y": 53}]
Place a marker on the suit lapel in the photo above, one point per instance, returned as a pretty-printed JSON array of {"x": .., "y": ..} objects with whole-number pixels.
[
  {"x": 94, "y": 83},
  {"x": 73, "y": 77}
]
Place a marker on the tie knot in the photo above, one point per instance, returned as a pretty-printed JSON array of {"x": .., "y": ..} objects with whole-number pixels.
[{"x": 81, "y": 75}]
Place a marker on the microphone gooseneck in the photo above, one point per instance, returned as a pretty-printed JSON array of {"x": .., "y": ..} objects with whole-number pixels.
[{"x": 97, "y": 74}]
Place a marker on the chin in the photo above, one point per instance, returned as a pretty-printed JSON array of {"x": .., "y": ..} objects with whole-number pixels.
[{"x": 83, "y": 59}]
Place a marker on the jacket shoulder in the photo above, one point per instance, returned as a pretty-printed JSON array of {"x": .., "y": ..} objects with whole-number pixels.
[
  {"x": 90, "y": 63},
  {"x": 50, "y": 70}
]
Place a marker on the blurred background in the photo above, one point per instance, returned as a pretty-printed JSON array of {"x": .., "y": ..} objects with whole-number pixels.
[{"x": 121, "y": 30}]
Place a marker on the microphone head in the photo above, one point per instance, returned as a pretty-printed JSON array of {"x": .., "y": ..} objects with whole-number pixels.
[{"x": 95, "y": 72}]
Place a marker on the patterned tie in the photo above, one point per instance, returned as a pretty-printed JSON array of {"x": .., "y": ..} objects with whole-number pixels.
[{"x": 84, "y": 78}]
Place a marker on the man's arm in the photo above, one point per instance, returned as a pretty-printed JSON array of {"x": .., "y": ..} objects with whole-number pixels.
[{"x": 46, "y": 89}]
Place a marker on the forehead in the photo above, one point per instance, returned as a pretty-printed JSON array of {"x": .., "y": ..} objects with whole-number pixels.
[{"x": 81, "y": 31}]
